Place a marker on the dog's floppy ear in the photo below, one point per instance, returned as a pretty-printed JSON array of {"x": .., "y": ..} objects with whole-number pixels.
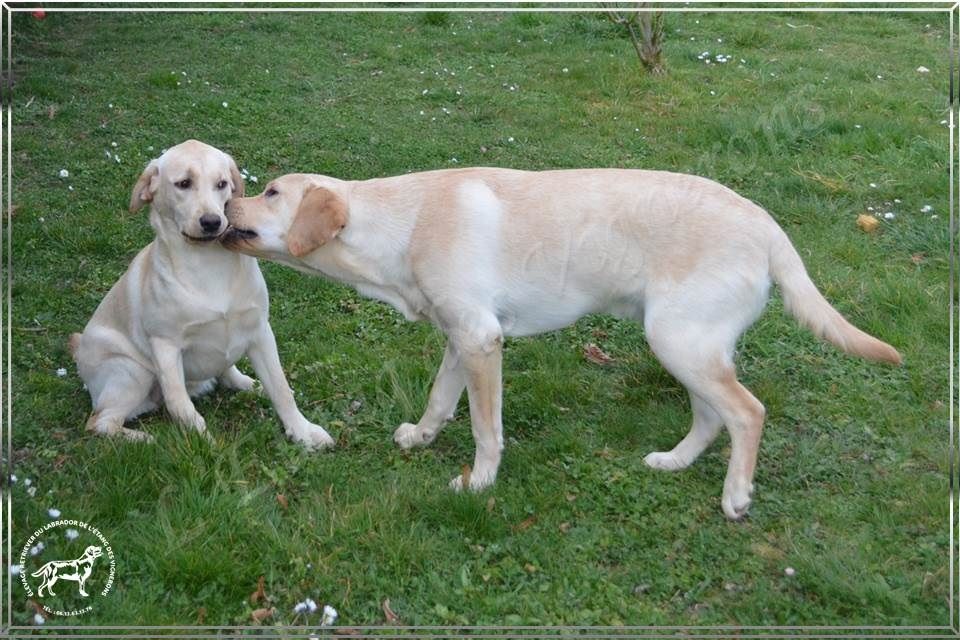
[
  {"x": 320, "y": 217},
  {"x": 146, "y": 186},
  {"x": 236, "y": 179}
]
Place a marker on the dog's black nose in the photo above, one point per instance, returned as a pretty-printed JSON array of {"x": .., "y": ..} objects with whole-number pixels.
[{"x": 210, "y": 223}]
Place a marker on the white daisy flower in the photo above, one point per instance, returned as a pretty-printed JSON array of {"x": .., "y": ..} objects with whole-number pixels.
[{"x": 330, "y": 616}]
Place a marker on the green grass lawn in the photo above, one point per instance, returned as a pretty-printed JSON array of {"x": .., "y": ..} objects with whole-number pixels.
[{"x": 825, "y": 118}]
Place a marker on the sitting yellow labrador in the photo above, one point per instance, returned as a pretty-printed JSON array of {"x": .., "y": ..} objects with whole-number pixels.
[
  {"x": 186, "y": 310},
  {"x": 486, "y": 253}
]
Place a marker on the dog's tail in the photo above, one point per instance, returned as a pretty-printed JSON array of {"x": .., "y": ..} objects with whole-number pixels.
[
  {"x": 811, "y": 309},
  {"x": 43, "y": 571},
  {"x": 73, "y": 344}
]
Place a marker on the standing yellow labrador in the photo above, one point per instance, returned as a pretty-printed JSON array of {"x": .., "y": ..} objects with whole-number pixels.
[
  {"x": 186, "y": 310},
  {"x": 486, "y": 253}
]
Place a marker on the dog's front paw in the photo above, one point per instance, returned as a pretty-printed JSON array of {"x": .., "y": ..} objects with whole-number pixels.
[
  {"x": 234, "y": 379},
  {"x": 243, "y": 382},
  {"x": 312, "y": 437},
  {"x": 409, "y": 435},
  {"x": 190, "y": 418},
  {"x": 736, "y": 499},
  {"x": 474, "y": 481},
  {"x": 665, "y": 461}
]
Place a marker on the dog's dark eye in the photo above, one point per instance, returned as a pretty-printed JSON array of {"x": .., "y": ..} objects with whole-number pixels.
[
  {"x": 222, "y": 184},
  {"x": 270, "y": 192},
  {"x": 184, "y": 184}
]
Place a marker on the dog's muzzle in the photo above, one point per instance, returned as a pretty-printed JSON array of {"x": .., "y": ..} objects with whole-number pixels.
[
  {"x": 209, "y": 237},
  {"x": 235, "y": 236}
]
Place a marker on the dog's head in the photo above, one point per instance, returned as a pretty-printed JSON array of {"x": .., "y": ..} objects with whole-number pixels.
[
  {"x": 292, "y": 218},
  {"x": 93, "y": 552},
  {"x": 187, "y": 187}
]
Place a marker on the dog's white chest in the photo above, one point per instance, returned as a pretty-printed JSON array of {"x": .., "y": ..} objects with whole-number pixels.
[{"x": 217, "y": 339}]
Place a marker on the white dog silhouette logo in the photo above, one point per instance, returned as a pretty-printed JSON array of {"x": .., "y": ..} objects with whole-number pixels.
[
  {"x": 76, "y": 570},
  {"x": 65, "y": 538}
]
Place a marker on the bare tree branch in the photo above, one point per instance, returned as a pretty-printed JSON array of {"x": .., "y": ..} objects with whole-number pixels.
[{"x": 648, "y": 43}]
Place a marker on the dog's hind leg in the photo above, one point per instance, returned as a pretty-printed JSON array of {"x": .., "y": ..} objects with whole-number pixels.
[
  {"x": 49, "y": 580},
  {"x": 111, "y": 424},
  {"x": 232, "y": 378},
  {"x": 693, "y": 329},
  {"x": 706, "y": 426},
  {"x": 150, "y": 403},
  {"x": 699, "y": 353},
  {"x": 444, "y": 396},
  {"x": 124, "y": 391}
]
